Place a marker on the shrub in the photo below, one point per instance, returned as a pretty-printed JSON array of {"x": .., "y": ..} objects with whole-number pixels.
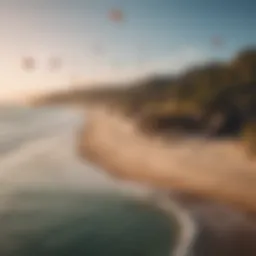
[{"x": 249, "y": 138}]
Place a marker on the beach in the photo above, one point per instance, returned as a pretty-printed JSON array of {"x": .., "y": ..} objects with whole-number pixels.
[
  {"x": 50, "y": 197},
  {"x": 217, "y": 188},
  {"x": 49, "y": 166}
]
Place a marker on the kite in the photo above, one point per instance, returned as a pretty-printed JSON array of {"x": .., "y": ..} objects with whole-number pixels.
[
  {"x": 28, "y": 63},
  {"x": 55, "y": 63},
  {"x": 116, "y": 15},
  {"x": 217, "y": 41},
  {"x": 98, "y": 50}
]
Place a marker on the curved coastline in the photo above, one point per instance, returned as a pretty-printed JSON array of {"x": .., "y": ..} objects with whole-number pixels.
[
  {"x": 192, "y": 166},
  {"x": 95, "y": 147},
  {"x": 188, "y": 227},
  {"x": 159, "y": 198},
  {"x": 210, "y": 222}
]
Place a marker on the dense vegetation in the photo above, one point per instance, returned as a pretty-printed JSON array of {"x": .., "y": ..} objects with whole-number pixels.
[{"x": 218, "y": 99}]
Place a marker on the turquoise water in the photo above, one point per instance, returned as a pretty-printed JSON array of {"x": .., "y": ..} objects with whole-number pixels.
[{"x": 65, "y": 224}]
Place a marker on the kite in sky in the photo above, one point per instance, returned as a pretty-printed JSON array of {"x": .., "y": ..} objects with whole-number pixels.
[
  {"x": 116, "y": 15},
  {"x": 55, "y": 63},
  {"x": 28, "y": 63},
  {"x": 217, "y": 42},
  {"x": 98, "y": 50}
]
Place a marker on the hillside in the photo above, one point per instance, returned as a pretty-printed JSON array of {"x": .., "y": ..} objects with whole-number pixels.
[{"x": 217, "y": 99}]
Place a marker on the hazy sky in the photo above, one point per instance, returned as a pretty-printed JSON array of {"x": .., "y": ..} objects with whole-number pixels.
[{"x": 154, "y": 36}]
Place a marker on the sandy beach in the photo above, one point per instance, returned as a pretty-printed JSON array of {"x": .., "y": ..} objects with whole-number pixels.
[{"x": 213, "y": 180}]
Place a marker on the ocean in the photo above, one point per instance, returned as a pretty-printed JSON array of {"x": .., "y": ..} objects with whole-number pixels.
[{"x": 54, "y": 203}]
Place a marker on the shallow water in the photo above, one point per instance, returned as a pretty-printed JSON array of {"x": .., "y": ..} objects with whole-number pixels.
[
  {"x": 61, "y": 223},
  {"x": 53, "y": 203}
]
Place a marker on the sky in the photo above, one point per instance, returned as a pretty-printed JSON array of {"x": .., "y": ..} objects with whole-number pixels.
[{"x": 153, "y": 36}]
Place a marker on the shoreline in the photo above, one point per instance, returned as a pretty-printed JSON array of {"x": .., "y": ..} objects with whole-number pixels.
[
  {"x": 188, "y": 228},
  {"x": 128, "y": 155},
  {"x": 199, "y": 202}
]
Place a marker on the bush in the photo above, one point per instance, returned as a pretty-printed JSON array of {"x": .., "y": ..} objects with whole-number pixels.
[{"x": 249, "y": 138}]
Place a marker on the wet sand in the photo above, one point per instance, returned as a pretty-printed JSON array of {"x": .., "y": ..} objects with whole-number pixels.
[{"x": 223, "y": 230}]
